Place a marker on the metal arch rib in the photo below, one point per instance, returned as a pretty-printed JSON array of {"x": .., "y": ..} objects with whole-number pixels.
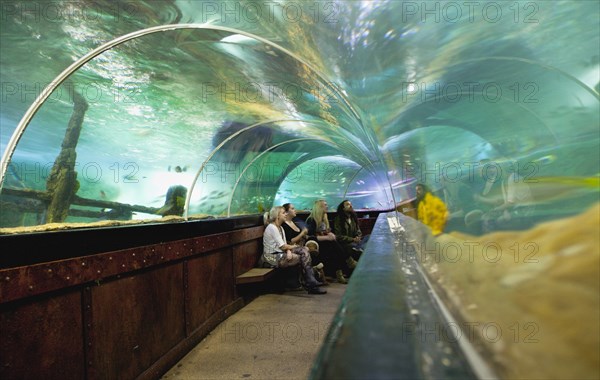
[
  {"x": 352, "y": 179},
  {"x": 215, "y": 150},
  {"x": 518, "y": 104},
  {"x": 237, "y": 181},
  {"x": 231, "y": 137},
  {"x": 43, "y": 96}
]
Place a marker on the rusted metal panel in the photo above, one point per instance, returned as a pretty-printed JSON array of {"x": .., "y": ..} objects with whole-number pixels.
[
  {"x": 245, "y": 256},
  {"x": 21, "y": 282},
  {"x": 42, "y": 338},
  {"x": 246, "y": 234},
  {"x": 134, "y": 321},
  {"x": 210, "y": 286},
  {"x": 125, "y": 310},
  {"x": 89, "y": 241}
]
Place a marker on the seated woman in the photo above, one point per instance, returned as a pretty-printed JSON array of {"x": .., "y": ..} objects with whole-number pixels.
[
  {"x": 347, "y": 231},
  {"x": 293, "y": 232},
  {"x": 278, "y": 253},
  {"x": 332, "y": 253},
  {"x": 298, "y": 235}
]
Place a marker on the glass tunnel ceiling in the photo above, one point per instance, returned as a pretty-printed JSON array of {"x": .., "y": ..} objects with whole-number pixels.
[{"x": 249, "y": 104}]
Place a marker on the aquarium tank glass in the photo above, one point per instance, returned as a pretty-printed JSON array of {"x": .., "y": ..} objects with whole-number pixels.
[
  {"x": 171, "y": 111},
  {"x": 178, "y": 110}
]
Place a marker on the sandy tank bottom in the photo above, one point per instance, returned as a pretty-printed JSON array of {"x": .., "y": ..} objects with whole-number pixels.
[{"x": 530, "y": 300}]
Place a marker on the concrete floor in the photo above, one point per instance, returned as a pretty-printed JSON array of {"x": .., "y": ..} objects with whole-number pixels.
[{"x": 276, "y": 336}]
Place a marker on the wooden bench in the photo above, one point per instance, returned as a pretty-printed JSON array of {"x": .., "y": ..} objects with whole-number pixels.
[{"x": 254, "y": 275}]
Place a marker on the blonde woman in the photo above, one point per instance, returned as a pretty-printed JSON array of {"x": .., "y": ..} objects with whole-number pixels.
[
  {"x": 278, "y": 253},
  {"x": 333, "y": 255}
]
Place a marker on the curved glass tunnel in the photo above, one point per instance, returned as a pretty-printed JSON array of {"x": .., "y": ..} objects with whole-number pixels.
[
  {"x": 351, "y": 104},
  {"x": 239, "y": 106}
]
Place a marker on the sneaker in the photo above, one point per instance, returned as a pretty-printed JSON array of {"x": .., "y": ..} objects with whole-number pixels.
[{"x": 316, "y": 290}]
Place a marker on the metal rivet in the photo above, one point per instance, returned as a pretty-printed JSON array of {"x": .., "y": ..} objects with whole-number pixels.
[
  {"x": 82, "y": 264},
  {"x": 68, "y": 278},
  {"x": 7, "y": 278},
  {"x": 49, "y": 270}
]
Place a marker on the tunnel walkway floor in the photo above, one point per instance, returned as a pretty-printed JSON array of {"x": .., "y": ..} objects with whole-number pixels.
[{"x": 275, "y": 336}]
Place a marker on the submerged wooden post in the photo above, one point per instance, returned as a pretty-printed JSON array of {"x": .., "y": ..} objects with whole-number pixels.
[
  {"x": 174, "y": 202},
  {"x": 62, "y": 184}
]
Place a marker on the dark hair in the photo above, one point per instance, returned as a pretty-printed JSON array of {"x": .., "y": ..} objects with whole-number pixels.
[
  {"x": 340, "y": 207},
  {"x": 340, "y": 211},
  {"x": 286, "y": 206}
]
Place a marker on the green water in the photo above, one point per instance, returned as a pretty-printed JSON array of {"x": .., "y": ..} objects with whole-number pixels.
[{"x": 351, "y": 97}]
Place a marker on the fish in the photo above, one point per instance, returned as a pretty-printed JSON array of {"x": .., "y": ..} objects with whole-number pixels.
[
  {"x": 545, "y": 160},
  {"x": 546, "y": 189},
  {"x": 587, "y": 182}
]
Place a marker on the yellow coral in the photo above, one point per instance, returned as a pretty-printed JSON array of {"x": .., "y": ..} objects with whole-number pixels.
[{"x": 433, "y": 213}]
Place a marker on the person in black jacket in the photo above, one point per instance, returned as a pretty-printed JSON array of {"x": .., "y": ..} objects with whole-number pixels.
[{"x": 347, "y": 230}]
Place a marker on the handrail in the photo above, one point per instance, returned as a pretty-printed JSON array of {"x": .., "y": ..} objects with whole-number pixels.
[{"x": 378, "y": 332}]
